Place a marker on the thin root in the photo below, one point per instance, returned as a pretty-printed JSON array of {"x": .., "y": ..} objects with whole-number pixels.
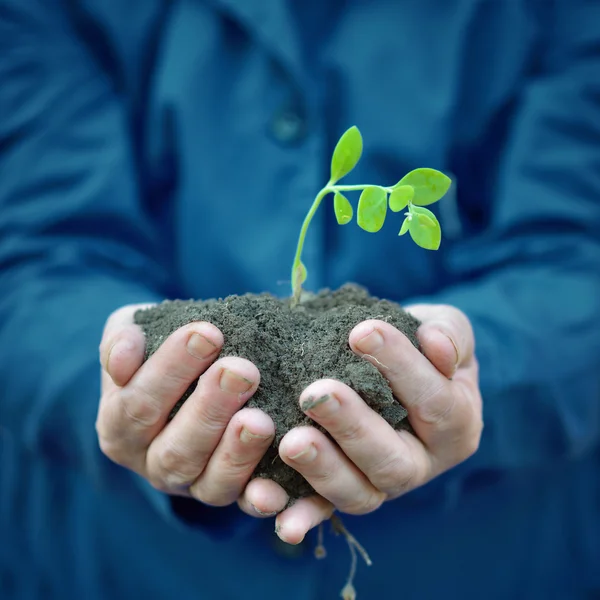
[
  {"x": 348, "y": 592},
  {"x": 320, "y": 551},
  {"x": 377, "y": 361}
]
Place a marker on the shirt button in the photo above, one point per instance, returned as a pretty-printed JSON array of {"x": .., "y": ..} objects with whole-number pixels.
[{"x": 288, "y": 127}]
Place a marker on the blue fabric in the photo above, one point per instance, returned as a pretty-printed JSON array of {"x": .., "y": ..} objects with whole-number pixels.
[{"x": 156, "y": 149}]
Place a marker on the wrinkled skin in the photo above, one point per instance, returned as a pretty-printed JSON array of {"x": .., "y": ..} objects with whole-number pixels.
[{"x": 213, "y": 444}]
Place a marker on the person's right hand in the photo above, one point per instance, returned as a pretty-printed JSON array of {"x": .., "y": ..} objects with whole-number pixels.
[{"x": 209, "y": 450}]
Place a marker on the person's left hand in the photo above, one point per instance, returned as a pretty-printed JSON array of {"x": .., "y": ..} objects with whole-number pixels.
[{"x": 372, "y": 462}]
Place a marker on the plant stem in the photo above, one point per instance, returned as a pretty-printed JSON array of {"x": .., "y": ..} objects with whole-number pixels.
[
  {"x": 347, "y": 188},
  {"x": 330, "y": 188},
  {"x": 296, "y": 283}
]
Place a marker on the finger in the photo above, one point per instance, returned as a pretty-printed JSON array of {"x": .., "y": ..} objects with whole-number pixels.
[
  {"x": 122, "y": 346},
  {"x": 439, "y": 349},
  {"x": 296, "y": 521},
  {"x": 246, "y": 439},
  {"x": 366, "y": 438},
  {"x": 435, "y": 411},
  {"x": 179, "y": 454},
  {"x": 129, "y": 418},
  {"x": 329, "y": 471},
  {"x": 263, "y": 498},
  {"x": 423, "y": 391},
  {"x": 445, "y": 334}
]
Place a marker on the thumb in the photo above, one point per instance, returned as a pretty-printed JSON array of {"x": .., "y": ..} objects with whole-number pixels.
[
  {"x": 123, "y": 345},
  {"x": 445, "y": 335}
]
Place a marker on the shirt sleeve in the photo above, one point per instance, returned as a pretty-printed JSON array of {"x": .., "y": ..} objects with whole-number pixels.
[
  {"x": 531, "y": 279},
  {"x": 76, "y": 241}
]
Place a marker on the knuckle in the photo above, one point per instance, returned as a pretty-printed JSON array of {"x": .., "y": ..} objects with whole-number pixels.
[
  {"x": 471, "y": 442},
  {"x": 350, "y": 433},
  {"x": 160, "y": 485},
  {"x": 324, "y": 475},
  {"x": 394, "y": 475},
  {"x": 213, "y": 495},
  {"x": 371, "y": 501},
  {"x": 434, "y": 405},
  {"x": 214, "y": 499},
  {"x": 141, "y": 407},
  {"x": 464, "y": 445},
  {"x": 113, "y": 450},
  {"x": 107, "y": 447},
  {"x": 470, "y": 430},
  {"x": 109, "y": 444},
  {"x": 237, "y": 463},
  {"x": 212, "y": 414},
  {"x": 178, "y": 376},
  {"x": 100, "y": 424},
  {"x": 173, "y": 469},
  {"x": 471, "y": 447}
]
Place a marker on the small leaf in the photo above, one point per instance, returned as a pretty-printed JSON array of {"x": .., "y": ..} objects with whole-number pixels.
[
  {"x": 429, "y": 185},
  {"x": 405, "y": 226},
  {"x": 400, "y": 197},
  {"x": 425, "y": 229},
  {"x": 372, "y": 208},
  {"x": 342, "y": 208},
  {"x": 346, "y": 154},
  {"x": 300, "y": 275}
]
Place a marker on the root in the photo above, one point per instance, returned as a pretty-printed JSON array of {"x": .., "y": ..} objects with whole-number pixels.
[
  {"x": 320, "y": 551},
  {"x": 377, "y": 361},
  {"x": 348, "y": 591},
  {"x": 340, "y": 529}
]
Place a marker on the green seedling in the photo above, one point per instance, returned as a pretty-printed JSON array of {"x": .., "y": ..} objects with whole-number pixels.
[{"x": 417, "y": 189}]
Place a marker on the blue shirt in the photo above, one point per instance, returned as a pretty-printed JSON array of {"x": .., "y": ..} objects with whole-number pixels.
[{"x": 153, "y": 149}]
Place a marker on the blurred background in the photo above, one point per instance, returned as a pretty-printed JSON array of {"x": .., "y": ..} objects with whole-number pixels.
[{"x": 155, "y": 150}]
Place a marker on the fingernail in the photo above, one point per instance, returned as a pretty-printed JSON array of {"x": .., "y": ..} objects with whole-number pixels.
[
  {"x": 233, "y": 383},
  {"x": 247, "y": 436},
  {"x": 306, "y": 456},
  {"x": 371, "y": 343},
  {"x": 323, "y": 406},
  {"x": 457, "y": 354},
  {"x": 261, "y": 513},
  {"x": 200, "y": 347}
]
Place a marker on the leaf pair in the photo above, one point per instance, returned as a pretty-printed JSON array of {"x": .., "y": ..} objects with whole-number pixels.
[
  {"x": 428, "y": 185},
  {"x": 423, "y": 227},
  {"x": 371, "y": 212},
  {"x": 415, "y": 190}
]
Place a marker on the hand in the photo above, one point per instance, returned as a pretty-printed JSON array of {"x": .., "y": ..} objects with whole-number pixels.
[
  {"x": 209, "y": 450},
  {"x": 372, "y": 462}
]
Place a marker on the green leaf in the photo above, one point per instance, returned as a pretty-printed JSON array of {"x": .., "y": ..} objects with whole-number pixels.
[
  {"x": 346, "y": 154},
  {"x": 405, "y": 226},
  {"x": 400, "y": 197},
  {"x": 372, "y": 208},
  {"x": 342, "y": 208},
  {"x": 425, "y": 229},
  {"x": 429, "y": 185}
]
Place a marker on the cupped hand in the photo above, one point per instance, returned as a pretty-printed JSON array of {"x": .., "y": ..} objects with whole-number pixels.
[
  {"x": 210, "y": 448},
  {"x": 370, "y": 461}
]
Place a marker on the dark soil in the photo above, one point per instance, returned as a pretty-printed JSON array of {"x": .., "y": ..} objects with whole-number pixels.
[{"x": 292, "y": 347}]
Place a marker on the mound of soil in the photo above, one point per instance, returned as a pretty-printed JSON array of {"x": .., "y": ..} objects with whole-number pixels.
[{"x": 292, "y": 347}]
